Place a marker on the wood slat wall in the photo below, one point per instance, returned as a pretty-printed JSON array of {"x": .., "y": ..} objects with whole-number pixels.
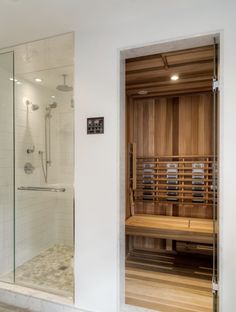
[
  {"x": 171, "y": 126},
  {"x": 179, "y": 125}
]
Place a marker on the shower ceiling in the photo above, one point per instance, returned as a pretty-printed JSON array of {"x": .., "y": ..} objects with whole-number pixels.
[
  {"x": 47, "y": 59},
  {"x": 51, "y": 78}
]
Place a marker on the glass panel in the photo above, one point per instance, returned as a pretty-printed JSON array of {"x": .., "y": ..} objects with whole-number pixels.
[
  {"x": 215, "y": 182},
  {"x": 7, "y": 167},
  {"x": 44, "y": 165}
]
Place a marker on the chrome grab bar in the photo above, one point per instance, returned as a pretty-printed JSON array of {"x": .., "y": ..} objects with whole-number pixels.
[{"x": 39, "y": 188}]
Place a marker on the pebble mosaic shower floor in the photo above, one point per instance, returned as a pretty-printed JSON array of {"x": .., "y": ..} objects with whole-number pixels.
[{"x": 50, "y": 271}]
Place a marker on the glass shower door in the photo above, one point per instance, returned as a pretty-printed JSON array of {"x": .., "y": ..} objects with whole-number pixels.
[{"x": 7, "y": 167}]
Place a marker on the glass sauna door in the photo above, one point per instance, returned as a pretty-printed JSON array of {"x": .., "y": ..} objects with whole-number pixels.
[{"x": 7, "y": 167}]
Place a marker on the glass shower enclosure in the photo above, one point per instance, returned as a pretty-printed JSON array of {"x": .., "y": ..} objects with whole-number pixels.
[
  {"x": 37, "y": 165},
  {"x": 7, "y": 175}
]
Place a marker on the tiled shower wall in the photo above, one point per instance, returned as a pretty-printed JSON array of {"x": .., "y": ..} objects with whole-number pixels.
[
  {"x": 61, "y": 172},
  {"x": 43, "y": 219}
]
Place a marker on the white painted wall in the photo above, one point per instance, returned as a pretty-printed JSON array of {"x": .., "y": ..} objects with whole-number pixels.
[
  {"x": 101, "y": 29},
  {"x": 130, "y": 24}
]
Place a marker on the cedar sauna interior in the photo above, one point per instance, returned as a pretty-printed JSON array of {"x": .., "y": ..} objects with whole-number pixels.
[{"x": 171, "y": 192}]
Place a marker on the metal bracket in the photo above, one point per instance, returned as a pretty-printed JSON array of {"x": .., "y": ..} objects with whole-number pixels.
[
  {"x": 215, "y": 287},
  {"x": 215, "y": 84},
  {"x": 30, "y": 150}
]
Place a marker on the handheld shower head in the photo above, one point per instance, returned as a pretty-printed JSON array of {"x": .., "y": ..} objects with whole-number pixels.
[
  {"x": 53, "y": 105},
  {"x": 49, "y": 108},
  {"x": 35, "y": 107}
]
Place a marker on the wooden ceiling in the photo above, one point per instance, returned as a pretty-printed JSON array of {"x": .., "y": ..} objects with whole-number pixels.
[{"x": 152, "y": 73}]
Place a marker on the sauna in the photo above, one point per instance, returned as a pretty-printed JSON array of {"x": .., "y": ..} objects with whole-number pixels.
[{"x": 171, "y": 180}]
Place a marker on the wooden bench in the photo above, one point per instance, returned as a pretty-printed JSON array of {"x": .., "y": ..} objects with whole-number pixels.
[{"x": 169, "y": 227}]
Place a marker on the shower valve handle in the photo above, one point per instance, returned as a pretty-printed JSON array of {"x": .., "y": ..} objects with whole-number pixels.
[{"x": 30, "y": 150}]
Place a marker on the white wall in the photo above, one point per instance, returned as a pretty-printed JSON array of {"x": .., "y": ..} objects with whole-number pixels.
[
  {"x": 102, "y": 28},
  {"x": 129, "y": 24}
]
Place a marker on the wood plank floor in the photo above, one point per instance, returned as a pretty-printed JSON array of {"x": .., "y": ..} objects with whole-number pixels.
[{"x": 167, "y": 291}]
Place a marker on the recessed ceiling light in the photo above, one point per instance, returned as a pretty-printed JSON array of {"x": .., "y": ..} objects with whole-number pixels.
[
  {"x": 174, "y": 77},
  {"x": 18, "y": 82},
  {"x": 12, "y": 79},
  {"x": 38, "y": 79},
  {"x": 53, "y": 96},
  {"x": 142, "y": 92}
]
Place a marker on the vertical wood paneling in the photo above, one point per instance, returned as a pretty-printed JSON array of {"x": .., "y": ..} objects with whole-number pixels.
[
  {"x": 195, "y": 125},
  {"x": 170, "y": 126}
]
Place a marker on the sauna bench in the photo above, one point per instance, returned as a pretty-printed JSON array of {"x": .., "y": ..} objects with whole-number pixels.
[{"x": 169, "y": 227}]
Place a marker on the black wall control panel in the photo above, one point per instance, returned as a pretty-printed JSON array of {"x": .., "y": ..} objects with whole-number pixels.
[{"x": 95, "y": 125}]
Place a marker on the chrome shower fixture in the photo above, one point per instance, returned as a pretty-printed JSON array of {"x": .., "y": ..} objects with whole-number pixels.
[
  {"x": 53, "y": 105},
  {"x": 64, "y": 87},
  {"x": 45, "y": 156},
  {"x": 49, "y": 108},
  {"x": 72, "y": 103},
  {"x": 34, "y": 107},
  {"x": 30, "y": 150}
]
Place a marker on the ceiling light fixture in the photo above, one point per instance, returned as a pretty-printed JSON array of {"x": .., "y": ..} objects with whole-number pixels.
[
  {"x": 38, "y": 80},
  {"x": 142, "y": 92},
  {"x": 18, "y": 82},
  {"x": 53, "y": 96},
  {"x": 174, "y": 77}
]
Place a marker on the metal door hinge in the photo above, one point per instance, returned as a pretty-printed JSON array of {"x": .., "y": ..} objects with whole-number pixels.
[
  {"x": 215, "y": 84},
  {"x": 215, "y": 287}
]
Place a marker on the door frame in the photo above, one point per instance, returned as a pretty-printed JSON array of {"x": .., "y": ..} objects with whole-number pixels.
[{"x": 124, "y": 53}]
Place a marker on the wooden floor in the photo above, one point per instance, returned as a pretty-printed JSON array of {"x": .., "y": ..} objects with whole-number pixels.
[{"x": 166, "y": 289}]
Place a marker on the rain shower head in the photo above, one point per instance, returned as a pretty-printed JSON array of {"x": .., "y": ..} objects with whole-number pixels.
[{"x": 64, "y": 87}]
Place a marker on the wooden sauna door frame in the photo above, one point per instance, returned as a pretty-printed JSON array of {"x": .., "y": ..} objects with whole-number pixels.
[{"x": 141, "y": 51}]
